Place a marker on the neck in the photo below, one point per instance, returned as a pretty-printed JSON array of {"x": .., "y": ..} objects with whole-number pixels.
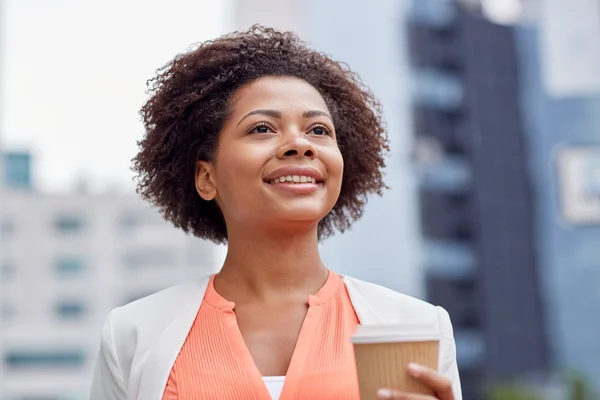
[{"x": 271, "y": 264}]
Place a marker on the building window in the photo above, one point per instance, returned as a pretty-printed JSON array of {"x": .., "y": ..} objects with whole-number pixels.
[
  {"x": 149, "y": 258},
  {"x": 466, "y": 286},
  {"x": 43, "y": 359},
  {"x": 69, "y": 397},
  {"x": 470, "y": 347},
  {"x": 468, "y": 318},
  {"x": 449, "y": 258},
  {"x": 46, "y": 398},
  {"x": 68, "y": 224},
  {"x": 7, "y": 270},
  {"x": 70, "y": 309},
  {"x": 447, "y": 174},
  {"x": 434, "y": 13},
  {"x": 69, "y": 266},
  {"x": 437, "y": 89},
  {"x": 129, "y": 221},
  {"x": 7, "y": 311},
  {"x": 17, "y": 170},
  {"x": 7, "y": 228}
]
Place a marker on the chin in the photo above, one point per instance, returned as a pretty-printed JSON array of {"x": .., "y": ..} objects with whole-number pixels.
[
  {"x": 301, "y": 217},
  {"x": 308, "y": 219}
]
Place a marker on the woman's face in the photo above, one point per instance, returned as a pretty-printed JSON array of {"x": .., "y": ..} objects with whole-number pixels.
[{"x": 277, "y": 164}]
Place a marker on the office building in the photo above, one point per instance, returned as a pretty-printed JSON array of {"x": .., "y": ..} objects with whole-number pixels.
[
  {"x": 559, "y": 61},
  {"x": 477, "y": 201},
  {"x": 66, "y": 261}
]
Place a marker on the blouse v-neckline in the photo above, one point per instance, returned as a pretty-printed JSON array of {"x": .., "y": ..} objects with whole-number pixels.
[{"x": 303, "y": 343}]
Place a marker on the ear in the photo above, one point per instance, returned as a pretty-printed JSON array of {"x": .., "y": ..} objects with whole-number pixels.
[{"x": 205, "y": 184}]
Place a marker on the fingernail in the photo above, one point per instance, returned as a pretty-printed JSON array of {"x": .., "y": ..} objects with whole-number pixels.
[
  {"x": 384, "y": 394},
  {"x": 415, "y": 369}
]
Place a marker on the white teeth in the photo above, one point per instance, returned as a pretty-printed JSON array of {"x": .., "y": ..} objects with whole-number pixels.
[{"x": 294, "y": 179}]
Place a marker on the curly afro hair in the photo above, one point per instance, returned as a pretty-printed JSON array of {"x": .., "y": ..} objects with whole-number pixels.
[{"x": 190, "y": 101}]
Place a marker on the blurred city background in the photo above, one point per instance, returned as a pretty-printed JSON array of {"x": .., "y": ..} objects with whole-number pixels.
[{"x": 493, "y": 110}]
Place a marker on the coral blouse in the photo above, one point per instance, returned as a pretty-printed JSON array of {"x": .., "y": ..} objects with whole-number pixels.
[{"x": 214, "y": 362}]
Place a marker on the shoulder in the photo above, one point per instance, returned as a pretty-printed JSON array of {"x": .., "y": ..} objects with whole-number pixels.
[
  {"x": 148, "y": 316},
  {"x": 381, "y": 292},
  {"x": 159, "y": 307},
  {"x": 130, "y": 333},
  {"x": 133, "y": 329},
  {"x": 386, "y": 302},
  {"x": 376, "y": 304}
]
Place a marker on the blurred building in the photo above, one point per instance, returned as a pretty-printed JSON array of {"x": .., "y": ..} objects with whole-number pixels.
[
  {"x": 509, "y": 176},
  {"x": 560, "y": 79},
  {"x": 67, "y": 260},
  {"x": 383, "y": 247},
  {"x": 477, "y": 203}
]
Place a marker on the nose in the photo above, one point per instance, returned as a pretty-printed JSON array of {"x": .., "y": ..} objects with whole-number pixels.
[{"x": 296, "y": 146}]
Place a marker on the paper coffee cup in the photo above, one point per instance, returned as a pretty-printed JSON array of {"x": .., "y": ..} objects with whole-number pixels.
[{"x": 383, "y": 353}]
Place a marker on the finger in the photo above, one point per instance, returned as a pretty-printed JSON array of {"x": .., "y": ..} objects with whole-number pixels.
[
  {"x": 389, "y": 394},
  {"x": 436, "y": 381}
]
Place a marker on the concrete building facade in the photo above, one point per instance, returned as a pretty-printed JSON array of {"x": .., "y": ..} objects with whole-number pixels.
[{"x": 67, "y": 260}]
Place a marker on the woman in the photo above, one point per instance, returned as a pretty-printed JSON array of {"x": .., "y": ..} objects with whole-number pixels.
[{"x": 255, "y": 140}]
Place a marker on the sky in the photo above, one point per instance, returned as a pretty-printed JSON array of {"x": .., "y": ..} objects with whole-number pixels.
[{"x": 74, "y": 78}]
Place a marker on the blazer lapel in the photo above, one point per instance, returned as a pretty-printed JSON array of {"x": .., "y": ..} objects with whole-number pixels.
[
  {"x": 376, "y": 304},
  {"x": 165, "y": 351},
  {"x": 364, "y": 310}
]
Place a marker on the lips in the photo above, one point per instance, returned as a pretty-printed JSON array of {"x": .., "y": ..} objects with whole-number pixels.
[{"x": 294, "y": 174}]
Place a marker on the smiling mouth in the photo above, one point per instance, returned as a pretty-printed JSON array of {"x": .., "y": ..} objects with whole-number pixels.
[{"x": 292, "y": 179}]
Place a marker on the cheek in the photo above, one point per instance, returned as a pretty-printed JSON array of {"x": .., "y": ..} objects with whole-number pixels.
[
  {"x": 335, "y": 164},
  {"x": 235, "y": 172}
]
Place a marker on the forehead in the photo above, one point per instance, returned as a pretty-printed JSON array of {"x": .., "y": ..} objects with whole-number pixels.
[{"x": 278, "y": 93}]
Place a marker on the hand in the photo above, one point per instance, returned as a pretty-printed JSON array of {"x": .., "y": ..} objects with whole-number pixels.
[{"x": 441, "y": 386}]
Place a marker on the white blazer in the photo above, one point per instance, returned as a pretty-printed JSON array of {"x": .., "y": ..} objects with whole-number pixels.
[{"x": 141, "y": 340}]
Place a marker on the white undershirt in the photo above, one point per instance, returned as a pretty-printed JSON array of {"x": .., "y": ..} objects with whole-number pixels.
[{"x": 274, "y": 385}]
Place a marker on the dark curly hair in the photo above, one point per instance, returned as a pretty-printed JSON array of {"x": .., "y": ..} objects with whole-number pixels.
[{"x": 190, "y": 99}]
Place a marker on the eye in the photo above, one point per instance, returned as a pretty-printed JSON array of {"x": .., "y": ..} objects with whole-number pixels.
[
  {"x": 262, "y": 127},
  {"x": 320, "y": 130}
]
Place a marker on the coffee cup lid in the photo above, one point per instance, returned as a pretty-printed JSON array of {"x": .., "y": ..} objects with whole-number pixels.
[{"x": 390, "y": 333}]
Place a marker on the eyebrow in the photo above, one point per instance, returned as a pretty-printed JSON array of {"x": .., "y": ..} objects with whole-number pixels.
[
  {"x": 315, "y": 113},
  {"x": 277, "y": 114}
]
